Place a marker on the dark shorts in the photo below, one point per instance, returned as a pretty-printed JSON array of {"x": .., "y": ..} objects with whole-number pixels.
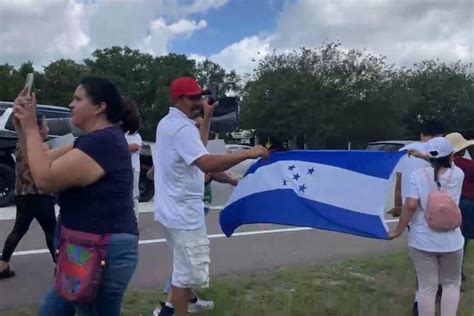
[{"x": 467, "y": 211}]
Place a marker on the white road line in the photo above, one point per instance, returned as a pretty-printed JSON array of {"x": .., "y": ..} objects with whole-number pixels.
[
  {"x": 250, "y": 233},
  {"x": 9, "y": 213},
  {"x": 213, "y": 236}
]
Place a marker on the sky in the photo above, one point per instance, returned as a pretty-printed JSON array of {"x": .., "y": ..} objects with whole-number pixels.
[{"x": 235, "y": 33}]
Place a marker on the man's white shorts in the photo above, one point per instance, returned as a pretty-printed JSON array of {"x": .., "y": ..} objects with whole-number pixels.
[{"x": 190, "y": 257}]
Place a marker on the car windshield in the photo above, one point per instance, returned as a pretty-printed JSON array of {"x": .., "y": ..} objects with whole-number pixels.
[
  {"x": 3, "y": 107},
  {"x": 384, "y": 147},
  {"x": 58, "y": 122}
]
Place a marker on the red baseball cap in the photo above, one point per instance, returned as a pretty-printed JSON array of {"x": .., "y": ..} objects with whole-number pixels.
[{"x": 187, "y": 86}]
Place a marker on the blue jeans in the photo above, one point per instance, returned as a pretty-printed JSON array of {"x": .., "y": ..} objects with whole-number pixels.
[{"x": 122, "y": 258}]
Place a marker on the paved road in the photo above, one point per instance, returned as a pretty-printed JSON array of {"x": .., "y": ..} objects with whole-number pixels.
[{"x": 258, "y": 248}]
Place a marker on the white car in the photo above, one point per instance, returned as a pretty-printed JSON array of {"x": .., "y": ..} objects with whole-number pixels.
[{"x": 236, "y": 147}]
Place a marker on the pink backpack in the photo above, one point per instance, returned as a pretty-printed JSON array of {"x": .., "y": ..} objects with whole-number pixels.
[{"x": 441, "y": 213}]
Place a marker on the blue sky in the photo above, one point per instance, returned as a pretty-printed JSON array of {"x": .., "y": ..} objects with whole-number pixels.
[{"x": 230, "y": 24}]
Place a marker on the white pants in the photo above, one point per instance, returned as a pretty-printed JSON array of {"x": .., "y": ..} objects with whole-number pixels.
[
  {"x": 437, "y": 268},
  {"x": 136, "y": 193},
  {"x": 190, "y": 257}
]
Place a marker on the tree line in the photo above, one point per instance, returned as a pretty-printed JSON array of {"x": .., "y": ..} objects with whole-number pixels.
[{"x": 325, "y": 96}]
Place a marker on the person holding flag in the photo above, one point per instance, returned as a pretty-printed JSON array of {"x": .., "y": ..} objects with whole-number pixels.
[
  {"x": 179, "y": 177},
  {"x": 436, "y": 250}
]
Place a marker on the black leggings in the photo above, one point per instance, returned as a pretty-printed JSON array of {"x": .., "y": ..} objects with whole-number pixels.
[{"x": 29, "y": 207}]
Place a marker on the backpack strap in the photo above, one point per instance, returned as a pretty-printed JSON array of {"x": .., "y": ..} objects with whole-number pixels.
[
  {"x": 430, "y": 183},
  {"x": 451, "y": 174}
]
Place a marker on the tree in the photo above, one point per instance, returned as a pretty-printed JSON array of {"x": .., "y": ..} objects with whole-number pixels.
[
  {"x": 208, "y": 72},
  {"x": 129, "y": 69},
  {"x": 439, "y": 91},
  {"x": 326, "y": 96},
  {"x": 14, "y": 80},
  {"x": 143, "y": 78},
  {"x": 164, "y": 70},
  {"x": 60, "y": 79},
  {"x": 9, "y": 87}
]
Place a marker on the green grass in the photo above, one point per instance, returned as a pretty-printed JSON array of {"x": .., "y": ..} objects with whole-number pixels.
[{"x": 379, "y": 285}]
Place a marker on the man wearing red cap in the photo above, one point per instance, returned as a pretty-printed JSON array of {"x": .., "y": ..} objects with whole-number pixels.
[{"x": 179, "y": 175}]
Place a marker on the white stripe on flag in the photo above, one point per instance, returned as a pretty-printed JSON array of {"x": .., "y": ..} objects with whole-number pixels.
[{"x": 327, "y": 184}]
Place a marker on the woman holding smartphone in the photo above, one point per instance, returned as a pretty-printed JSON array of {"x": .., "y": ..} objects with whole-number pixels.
[
  {"x": 93, "y": 179},
  {"x": 31, "y": 203}
]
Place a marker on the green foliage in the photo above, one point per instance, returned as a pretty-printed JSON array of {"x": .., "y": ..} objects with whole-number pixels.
[
  {"x": 327, "y": 95},
  {"x": 331, "y": 96}
]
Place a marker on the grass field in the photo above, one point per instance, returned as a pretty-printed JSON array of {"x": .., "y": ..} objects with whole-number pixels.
[{"x": 379, "y": 285}]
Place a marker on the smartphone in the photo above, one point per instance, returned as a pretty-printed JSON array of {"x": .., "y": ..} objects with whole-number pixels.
[
  {"x": 29, "y": 82},
  {"x": 212, "y": 97}
]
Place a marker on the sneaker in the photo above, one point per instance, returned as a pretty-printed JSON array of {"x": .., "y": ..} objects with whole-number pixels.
[
  {"x": 463, "y": 283},
  {"x": 439, "y": 294},
  {"x": 7, "y": 273},
  {"x": 414, "y": 309},
  {"x": 163, "y": 310},
  {"x": 200, "y": 305}
]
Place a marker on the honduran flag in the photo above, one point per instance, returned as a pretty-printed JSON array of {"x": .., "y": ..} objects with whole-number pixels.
[{"x": 342, "y": 191}]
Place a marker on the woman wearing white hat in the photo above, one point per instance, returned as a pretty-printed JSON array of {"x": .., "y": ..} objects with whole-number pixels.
[
  {"x": 461, "y": 145},
  {"x": 436, "y": 252}
]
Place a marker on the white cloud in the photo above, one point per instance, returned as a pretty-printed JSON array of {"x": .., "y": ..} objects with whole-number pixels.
[
  {"x": 198, "y": 58},
  {"x": 201, "y": 6},
  {"x": 243, "y": 56},
  {"x": 43, "y": 31},
  {"x": 187, "y": 27},
  {"x": 26, "y": 34},
  {"x": 125, "y": 22},
  {"x": 120, "y": 22},
  {"x": 161, "y": 34},
  {"x": 406, "y": 31}
]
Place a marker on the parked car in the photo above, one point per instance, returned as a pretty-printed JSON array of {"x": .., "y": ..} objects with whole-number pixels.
[
  {"x": 236, "y": 147},
  {"x": 395, "y": 145},
  {"x": 59, "y": 124},
  {"x": 147, "y": 188},
  {"x": 388, "y": 145}
]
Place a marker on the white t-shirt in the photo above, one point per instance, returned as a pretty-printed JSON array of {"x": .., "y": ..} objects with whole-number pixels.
[
  {"x": 420, "y": 236},
  {"x": 135, "y": 139},
  {"x": 407, "y": 165},
  {"x": 179, "y": 184}
]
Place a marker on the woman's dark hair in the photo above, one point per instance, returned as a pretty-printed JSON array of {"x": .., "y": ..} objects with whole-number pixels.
[
  {"x": 460, "y": 153},
  {"x": 102, "y": 90},
  {"x": 438, "y": 163},
  {"x": 132, "y": 116},
  {"x": 433, "y": 127}
]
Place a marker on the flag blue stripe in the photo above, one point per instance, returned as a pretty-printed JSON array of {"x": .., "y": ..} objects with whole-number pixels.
[
  {"x": 285, "y": 207},
  {"x": 372, "y": 163}
]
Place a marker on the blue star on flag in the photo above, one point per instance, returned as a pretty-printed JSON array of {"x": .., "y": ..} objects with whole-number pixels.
[
  {"x": 291, "y": 167},
  {"x": 302, "y": 188},
  {"x": 296, "y": 176},
  {"x": 311, "y": 171}
]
